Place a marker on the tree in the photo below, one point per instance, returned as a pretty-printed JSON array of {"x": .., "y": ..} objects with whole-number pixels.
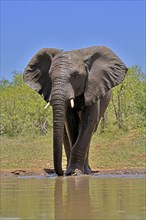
[
  {"x": 128, "y": 101},
  {"x": 4, "y": 83}
]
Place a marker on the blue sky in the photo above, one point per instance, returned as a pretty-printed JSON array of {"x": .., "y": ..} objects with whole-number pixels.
[{"x": 27, "y": 26}]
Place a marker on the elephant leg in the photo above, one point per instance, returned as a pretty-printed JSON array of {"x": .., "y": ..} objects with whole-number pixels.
[
  {"x": 102, "y": 105},
  {"x": 89, "y": 122},
  {"x": 80, "y": 149},
  {"x": 87, "y": 169},
  {"x": 70, "y": 131},
  {"x": 104, "y": 101}
]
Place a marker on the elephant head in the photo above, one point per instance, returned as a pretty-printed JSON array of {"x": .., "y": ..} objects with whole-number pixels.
[{"x": 62, "y": 76}]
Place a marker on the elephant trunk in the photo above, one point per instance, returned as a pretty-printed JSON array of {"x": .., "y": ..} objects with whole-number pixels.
[{"x": 58, "y": 103}]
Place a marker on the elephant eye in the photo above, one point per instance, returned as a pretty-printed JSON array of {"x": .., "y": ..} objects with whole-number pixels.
[{"x": 75, "y": 75}]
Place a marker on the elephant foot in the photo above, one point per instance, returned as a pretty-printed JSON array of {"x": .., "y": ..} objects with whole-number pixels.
[
  {"x": 87, "y": 169},
  {"x": 74, "y": 171},
  {"x": 77, "y": 172}
]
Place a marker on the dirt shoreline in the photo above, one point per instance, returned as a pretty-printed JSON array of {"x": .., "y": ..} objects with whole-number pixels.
[{"x": 45, "y": 172}]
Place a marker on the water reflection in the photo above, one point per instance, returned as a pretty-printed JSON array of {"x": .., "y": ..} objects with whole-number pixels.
[
  {"x": 72, "y": 198},
  {"x": 78, "y": 198}
]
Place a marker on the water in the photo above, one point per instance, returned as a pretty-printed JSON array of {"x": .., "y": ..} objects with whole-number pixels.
[{"x": 83, "y": 197}]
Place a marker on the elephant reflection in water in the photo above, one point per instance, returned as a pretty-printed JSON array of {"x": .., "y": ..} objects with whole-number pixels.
[{"x": 72, "y": 198}]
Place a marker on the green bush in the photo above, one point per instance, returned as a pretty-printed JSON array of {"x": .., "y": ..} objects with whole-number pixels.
[
  {"x": 132, "y": 100},
  {"x": 127, "y": 108},
  {"x": 22, "y": 110}
]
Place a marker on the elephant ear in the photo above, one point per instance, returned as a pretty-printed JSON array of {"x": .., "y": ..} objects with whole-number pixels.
[
  {"x": 36, "y": 73},
  {"x": 105, "y": 70}
]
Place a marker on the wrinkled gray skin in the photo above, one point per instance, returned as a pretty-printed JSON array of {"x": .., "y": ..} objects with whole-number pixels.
[{"x": 85, "y": 75}]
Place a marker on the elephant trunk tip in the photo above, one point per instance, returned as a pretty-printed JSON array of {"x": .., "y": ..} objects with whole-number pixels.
[{"x": 59, "y": 172}]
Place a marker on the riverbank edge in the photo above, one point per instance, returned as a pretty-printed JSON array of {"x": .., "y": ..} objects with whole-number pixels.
[{"x": 46, "y": 171}]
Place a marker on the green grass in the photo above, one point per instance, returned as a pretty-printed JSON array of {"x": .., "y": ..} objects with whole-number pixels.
[
  {"x": 108, "y": 150},
  {"x": 26, "y": 152},
  {"x": 118, "y": 150}
]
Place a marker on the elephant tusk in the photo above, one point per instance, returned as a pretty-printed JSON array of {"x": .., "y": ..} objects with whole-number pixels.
[
  {"x": 47, "y": 105},
  {"x": 72, "y": 103}
]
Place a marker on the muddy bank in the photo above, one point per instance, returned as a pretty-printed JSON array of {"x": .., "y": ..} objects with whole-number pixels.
[{"x": 44, "y": 172}]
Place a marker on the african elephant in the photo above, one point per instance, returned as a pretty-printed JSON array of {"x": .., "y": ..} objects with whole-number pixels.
[{"x": 77, "y": 84}]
